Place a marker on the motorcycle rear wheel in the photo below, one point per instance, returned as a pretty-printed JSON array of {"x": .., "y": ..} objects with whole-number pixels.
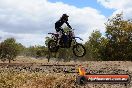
[{"x": 52, "y": 46}]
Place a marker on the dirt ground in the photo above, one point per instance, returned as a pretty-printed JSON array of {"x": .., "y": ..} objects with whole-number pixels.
[{"x": 35, "y": 75}]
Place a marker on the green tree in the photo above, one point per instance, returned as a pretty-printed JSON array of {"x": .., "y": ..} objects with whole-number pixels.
[
  {"x": 36, "y": 51},
  {"x": 21, "y": 49},
  {"x": 119, "y": 35},
  {"x": 9, "y": 49},
  {"x": 95, "y": 46}
]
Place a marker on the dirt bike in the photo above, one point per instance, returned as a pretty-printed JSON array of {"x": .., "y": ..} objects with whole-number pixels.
[{"x": 55, "y": 43}]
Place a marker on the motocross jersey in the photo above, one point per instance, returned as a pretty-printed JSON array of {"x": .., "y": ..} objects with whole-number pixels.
[{"x": 59, "y": 23}]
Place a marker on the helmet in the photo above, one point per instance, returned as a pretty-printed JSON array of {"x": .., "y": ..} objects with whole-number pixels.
[{"x": 65, "y": 15}]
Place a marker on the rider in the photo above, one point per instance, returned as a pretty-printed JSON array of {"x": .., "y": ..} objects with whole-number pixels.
[{"x": 59, "y": 23}]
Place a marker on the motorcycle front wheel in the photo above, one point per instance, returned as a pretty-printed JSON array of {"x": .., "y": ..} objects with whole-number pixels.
[{"x": 79, "y": 50}]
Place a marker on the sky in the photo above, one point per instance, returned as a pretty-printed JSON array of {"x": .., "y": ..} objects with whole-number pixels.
[
  {"x": 29, "y": 21},
  {"x": 87, "y": 3}
]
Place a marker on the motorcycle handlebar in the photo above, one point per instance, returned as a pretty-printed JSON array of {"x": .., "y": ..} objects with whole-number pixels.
[
  {"x": 78, "y": 38},
  {"x": 50, "y": 33}
]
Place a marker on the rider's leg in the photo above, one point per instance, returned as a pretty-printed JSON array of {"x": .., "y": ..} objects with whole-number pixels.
[
  {"x": 60, "y": 32},
  {"x": 61, "y": 38},
  {"x": 64, "y": 37}
]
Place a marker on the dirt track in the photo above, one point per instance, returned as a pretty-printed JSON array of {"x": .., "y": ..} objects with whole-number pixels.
[{"x": 62, "y": 79}]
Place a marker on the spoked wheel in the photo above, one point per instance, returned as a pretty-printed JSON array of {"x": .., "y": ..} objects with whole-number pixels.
[
  {"x": 79, "y": 50},
  {"x": 52, "y": 46}
]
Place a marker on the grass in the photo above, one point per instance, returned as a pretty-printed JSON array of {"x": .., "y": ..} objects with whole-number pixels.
[{"x": 12, "y": 79}]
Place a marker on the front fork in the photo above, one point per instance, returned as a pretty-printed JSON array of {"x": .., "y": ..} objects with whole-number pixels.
[{"x": 74, "y": 42}]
